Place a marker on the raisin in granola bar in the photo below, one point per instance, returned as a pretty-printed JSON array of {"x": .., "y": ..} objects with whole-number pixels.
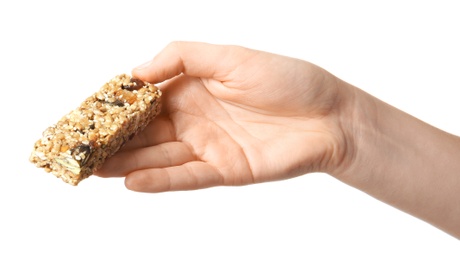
[{"x": 82, "y": 140}]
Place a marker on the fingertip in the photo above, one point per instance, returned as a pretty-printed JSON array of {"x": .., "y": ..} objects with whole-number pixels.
[
  {"x": 130, "y": 182},
  {"x": 143, "y": 65},
  {"x": 165, "y": 65},
  {"x": 141, "y": 181},
  {"x": 113, "y": 167},
  {"x": 101, "y": 172},
  {"x": 142, "y": 71}
]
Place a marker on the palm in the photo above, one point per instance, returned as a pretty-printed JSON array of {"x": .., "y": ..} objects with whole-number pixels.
[{"x": 241, "y": 145}]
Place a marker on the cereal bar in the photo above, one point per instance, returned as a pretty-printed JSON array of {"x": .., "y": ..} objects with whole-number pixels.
[{"x": 82, "y": 140}]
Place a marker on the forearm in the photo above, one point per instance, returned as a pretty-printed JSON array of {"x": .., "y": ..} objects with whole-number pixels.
[{"x": 405, "y": 162}]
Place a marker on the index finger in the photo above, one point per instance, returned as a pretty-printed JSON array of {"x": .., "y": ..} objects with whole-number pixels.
[{"x": 193, "y": 59}]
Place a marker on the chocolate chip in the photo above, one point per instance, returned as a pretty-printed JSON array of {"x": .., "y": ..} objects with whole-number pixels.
[
  {"x": 118, "y": 103},
  {"x": 134, "y": 84},
  {"x": 115, "y": 103},
  {"x": 79, "y": 150}
]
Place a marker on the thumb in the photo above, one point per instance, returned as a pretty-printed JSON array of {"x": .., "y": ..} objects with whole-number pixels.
[{"x": 193, "y": 59}]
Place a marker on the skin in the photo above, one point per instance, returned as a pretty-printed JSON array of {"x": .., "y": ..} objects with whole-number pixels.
[{"x": 236, "y": 116}]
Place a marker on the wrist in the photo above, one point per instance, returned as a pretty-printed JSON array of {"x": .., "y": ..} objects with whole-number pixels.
[
  {"x": 380, "y": 137},
  {"x": 353, "y": 113},
  {"x": 402, "y": 161}
]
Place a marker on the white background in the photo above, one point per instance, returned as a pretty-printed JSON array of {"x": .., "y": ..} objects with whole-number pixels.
[{"x": 56, "y": 53}]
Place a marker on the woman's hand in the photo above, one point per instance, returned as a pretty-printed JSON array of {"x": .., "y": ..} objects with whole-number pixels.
[{"x": 234, "y": 116}]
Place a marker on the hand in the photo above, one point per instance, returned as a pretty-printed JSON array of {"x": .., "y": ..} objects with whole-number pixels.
[{"x": 233, "y": 116}]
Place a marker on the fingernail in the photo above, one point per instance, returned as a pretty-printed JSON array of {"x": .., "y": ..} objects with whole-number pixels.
[{"x": 143, "y": 66}]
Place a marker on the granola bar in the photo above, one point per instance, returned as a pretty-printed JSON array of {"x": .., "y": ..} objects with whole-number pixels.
[{"x": 83, "y": 139}]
